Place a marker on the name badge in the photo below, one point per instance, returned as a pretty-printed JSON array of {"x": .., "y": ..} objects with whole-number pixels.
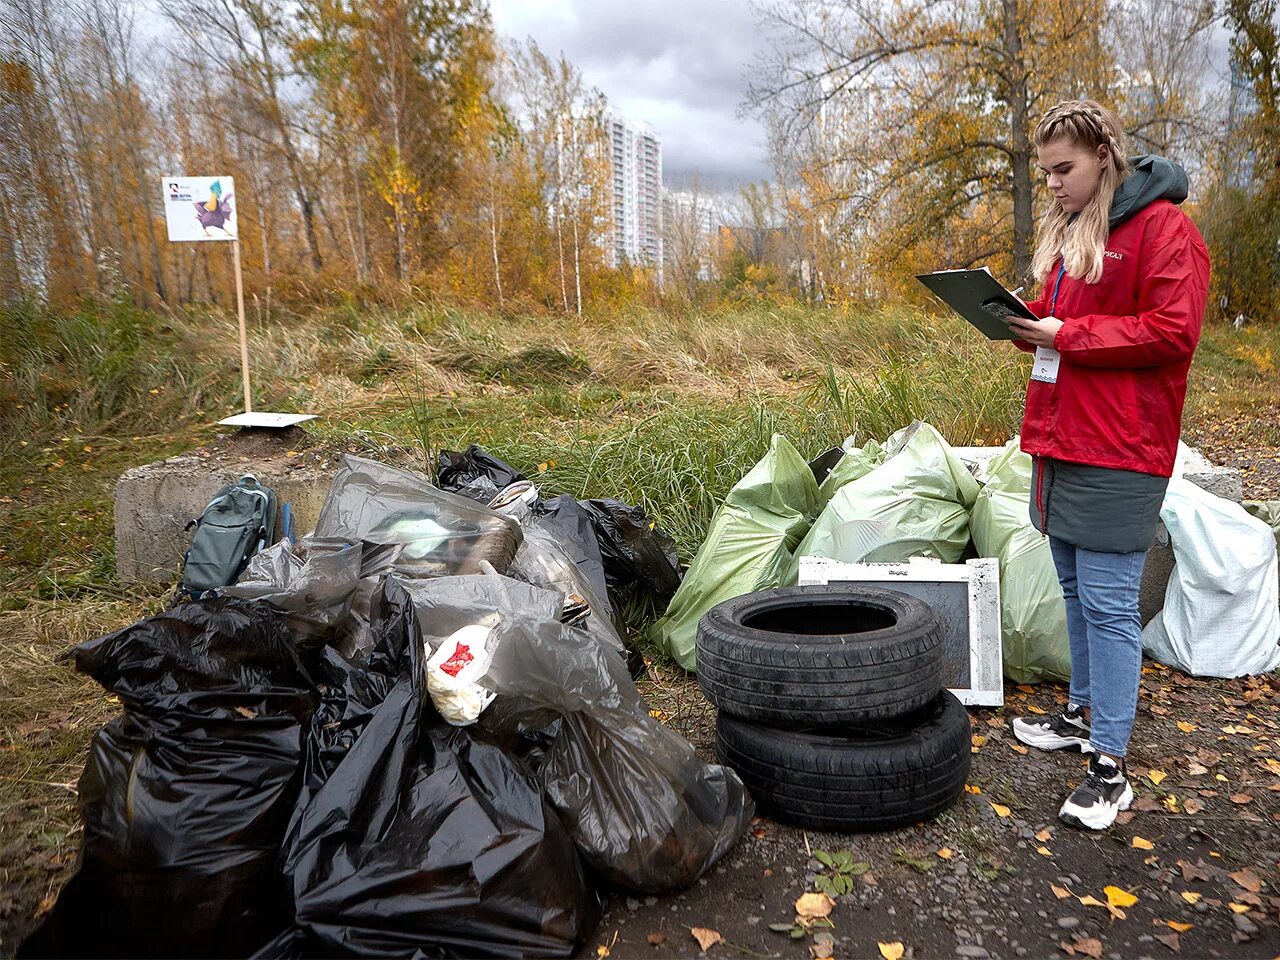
[{"x": 1045, "y": 366}]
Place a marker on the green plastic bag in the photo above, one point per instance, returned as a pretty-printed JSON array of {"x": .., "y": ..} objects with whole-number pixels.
[
  {"x": 748, "y": 545},
  {"x": 855, "y": 463},
  {"x": 914, "y": 503},
  {"x": 1033, "y": 616}
]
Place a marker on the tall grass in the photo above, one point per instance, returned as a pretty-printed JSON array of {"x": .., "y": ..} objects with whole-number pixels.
[{"x": 665, "y": 409}]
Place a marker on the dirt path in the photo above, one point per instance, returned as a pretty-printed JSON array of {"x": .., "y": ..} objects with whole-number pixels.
[{"x": 976, "y": 883}]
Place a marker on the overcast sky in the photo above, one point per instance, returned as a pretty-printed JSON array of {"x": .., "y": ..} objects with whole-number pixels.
[
  {"x": 678, "y": 65},
  {"x": 681, "y": 66}
]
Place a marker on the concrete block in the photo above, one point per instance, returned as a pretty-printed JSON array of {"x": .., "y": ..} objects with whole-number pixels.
[{"x": 154, "y": 502}]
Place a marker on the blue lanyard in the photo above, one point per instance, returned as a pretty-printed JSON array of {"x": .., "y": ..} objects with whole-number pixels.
[{"x": 1053, "y": 310}]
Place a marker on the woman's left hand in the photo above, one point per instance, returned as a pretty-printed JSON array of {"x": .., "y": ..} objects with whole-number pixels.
[{"x": 1038, "y": 333}]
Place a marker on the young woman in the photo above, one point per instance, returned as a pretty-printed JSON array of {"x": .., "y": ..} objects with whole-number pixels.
[{"x": 1125, "y": 276}]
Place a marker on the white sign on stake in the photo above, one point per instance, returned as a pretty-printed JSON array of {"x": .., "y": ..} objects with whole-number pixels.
[
  {"x": 204, "y": 208},
  {"x": 199, "y": 208}
]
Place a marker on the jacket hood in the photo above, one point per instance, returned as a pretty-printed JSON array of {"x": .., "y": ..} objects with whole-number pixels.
[{"x": 1153, "y": 178}]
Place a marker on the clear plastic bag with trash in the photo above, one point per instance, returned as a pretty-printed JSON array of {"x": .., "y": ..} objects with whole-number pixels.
[
  {"x": 645, "y": 812},
  {"x": 433, "y": 533}
]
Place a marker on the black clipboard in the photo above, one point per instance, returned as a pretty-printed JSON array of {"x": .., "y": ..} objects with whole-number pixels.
[{"x": 978, "y": 297}]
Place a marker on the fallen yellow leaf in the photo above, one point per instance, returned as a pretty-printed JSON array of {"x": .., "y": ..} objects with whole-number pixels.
[
  {"x": 602, "y": 951},
  {"x": 1141, "y": 843},
  {"x": 1119, "y": 898},
  {"x": 946, "y": 853},
  {"x": 1239, "y": 907},
  {"x": 1191, "y": 896},
  {"x": 970, "y": 788},
  {"x": 1060, "y": 892},
  {"x": 1090, "y": 901},
  {"x": 1000, "y": 809},
  {"x": 1018, "y": 748},
  {"x": 1179, "y": 927},
  {"x": 1044, "y": 851},
  {"x": 706, "y": 938},
  {"x": 891, "y": 951},
  {"x": 813, "y": 905},
  {"x": 1044, "y": 836},
  {"x": 1274, "y": 766},
  {"x": 1187, "y": 727},
  {"x": 977, "y": 740},
  {"x": 1170, "y": 803},
  {"x": 1155, "y": 776},
  {"x": 1032, "y": 708}
]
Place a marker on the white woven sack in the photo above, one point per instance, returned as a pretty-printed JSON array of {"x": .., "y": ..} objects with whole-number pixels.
[{"x": 1221, "y": 615}]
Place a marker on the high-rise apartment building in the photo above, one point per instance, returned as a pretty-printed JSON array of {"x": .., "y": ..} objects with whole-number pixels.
[{"x": 636, "y": 155}]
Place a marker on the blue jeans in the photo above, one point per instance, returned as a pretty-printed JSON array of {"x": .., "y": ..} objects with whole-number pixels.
[{"x": 1101, "y": 591}]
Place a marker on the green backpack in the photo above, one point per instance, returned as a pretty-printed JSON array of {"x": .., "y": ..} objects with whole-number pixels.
[{"x": 237, "y": 523}]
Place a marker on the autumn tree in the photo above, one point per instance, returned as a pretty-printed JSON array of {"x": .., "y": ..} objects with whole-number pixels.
[
  {"x": 690, "y": 221},
  {"x": 957, "y": 86},
  {"x": 389, "y": 64},
  {"x": 1163, "y": 50},
  {"x": 248, "y": 39},
  {"x": 1242, "y": 215},
  {"x": 563, "y": 123}
]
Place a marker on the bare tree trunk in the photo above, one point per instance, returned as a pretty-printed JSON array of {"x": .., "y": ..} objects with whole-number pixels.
[
  {"x": 564, "y": 290},
  {"x": 493, "y": 239},
  {"x": 1019, "y": 143},
  {"x": 296, "y": 172},
  {"x": 347, "y": 178},
  {"x": 266, "y": 252},
  {"x": 362, "y": 270},
  {"x": 577, "y": 263}
]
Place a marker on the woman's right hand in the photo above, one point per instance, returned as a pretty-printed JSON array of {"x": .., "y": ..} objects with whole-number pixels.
[{"x": 1038, "y": 333}]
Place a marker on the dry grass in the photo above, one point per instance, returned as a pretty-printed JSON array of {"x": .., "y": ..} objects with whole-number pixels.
[{"x": 48, "y": 715}]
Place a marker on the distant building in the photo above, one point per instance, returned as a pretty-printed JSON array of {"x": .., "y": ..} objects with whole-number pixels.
[{"x": 636, "y": 155}]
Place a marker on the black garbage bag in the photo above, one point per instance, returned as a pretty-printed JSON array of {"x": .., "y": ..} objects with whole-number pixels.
[
  {"x": 635, "y": 554},
  {"x": 645, "y": 812},
  {"x": 474, "y": 473},
  {"x": 566, "y": 519},
  {"x": 185, "y": 798},
  {"x": 417, "y": 838}
]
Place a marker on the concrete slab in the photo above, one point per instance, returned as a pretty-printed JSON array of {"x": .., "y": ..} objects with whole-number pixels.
[{"x": 154, "y": 502}]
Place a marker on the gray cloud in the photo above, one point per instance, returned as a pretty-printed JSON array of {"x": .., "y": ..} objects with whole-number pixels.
[{"x": 679, "y": 65}]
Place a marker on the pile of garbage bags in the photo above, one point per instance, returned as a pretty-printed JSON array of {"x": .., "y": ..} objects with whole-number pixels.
[
  {"x": 912, "y": 496},
  {"x": 413, "y": 732}
]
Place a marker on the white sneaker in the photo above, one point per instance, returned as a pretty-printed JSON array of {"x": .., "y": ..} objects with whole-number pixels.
[
  {"x": 1062, "y": 731},
  {"x": 1103, "y": 793}
]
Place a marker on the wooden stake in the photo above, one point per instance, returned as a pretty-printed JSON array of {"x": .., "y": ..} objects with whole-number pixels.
[{"x": 244, "y": 336}]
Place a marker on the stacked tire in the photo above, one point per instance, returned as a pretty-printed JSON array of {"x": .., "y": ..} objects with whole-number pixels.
[{"x": 831, "y": 707}]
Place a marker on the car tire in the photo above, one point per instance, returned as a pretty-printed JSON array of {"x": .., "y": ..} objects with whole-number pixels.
[
  {"x": 870, "y": 780},
  {"x": 820, "y": 656}
]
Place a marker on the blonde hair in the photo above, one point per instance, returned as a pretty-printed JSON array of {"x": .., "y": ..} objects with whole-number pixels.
[{"x": 1081, "y": 240}]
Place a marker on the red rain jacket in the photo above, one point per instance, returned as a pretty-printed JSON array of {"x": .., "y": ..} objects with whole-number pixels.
[{"x": 1126, "y": 345}]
